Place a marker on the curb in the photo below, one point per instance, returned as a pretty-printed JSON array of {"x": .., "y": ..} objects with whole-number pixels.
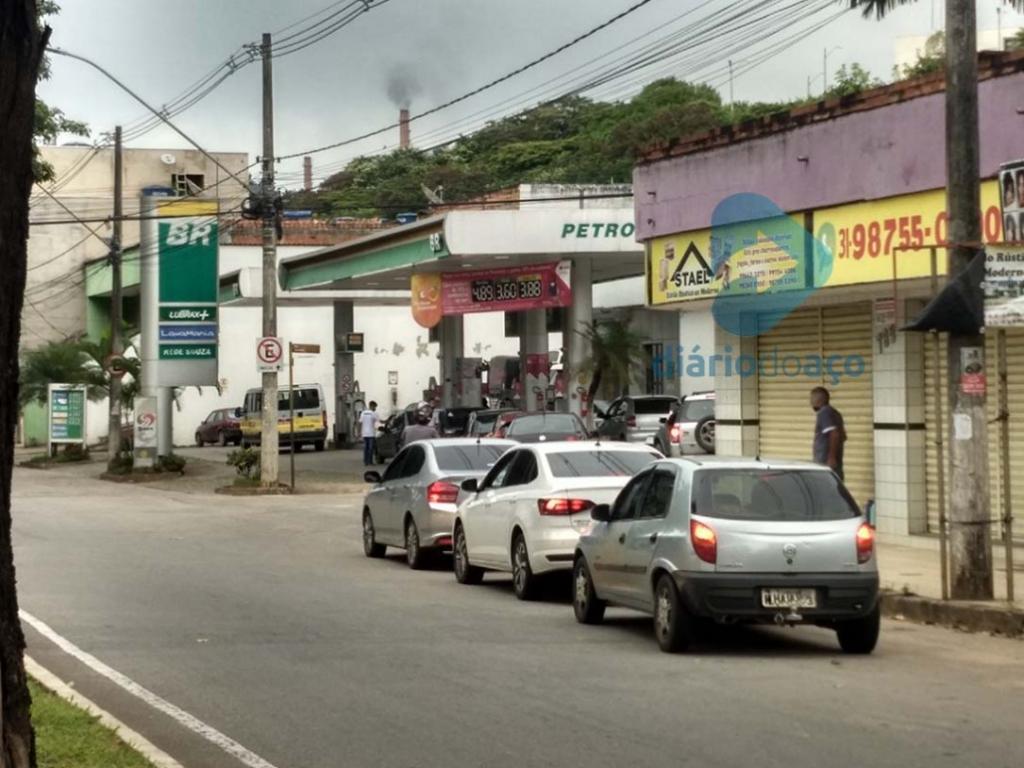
[
  {"x": 136, "y": 741},
  {"x": 996, "y": 618}
]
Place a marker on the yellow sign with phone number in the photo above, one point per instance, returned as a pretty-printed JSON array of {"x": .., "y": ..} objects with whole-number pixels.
[
  {"x": 871, "y": 239},
  {"x": 865, "y": 239}
]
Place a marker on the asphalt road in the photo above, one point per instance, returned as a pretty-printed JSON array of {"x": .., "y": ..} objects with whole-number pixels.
[{"x": 262, "y": 618}]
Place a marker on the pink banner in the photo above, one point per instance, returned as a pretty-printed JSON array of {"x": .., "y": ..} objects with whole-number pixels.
[{"x": 508, "y": 289}]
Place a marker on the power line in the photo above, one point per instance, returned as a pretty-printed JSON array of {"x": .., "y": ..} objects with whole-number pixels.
[{"x": 487, "y": 86}]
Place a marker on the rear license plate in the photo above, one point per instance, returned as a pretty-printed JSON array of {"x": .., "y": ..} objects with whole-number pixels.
[{"x": 789, "y": 598}]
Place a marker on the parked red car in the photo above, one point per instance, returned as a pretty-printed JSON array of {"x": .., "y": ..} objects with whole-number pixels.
[{"x": 220, "y": 427}]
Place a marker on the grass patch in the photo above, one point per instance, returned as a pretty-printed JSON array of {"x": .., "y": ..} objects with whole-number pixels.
[{"x": 68, "y": 737}]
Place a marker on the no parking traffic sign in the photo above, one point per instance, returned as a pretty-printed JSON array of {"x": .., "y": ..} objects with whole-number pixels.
[{"x": 269, "y": 351}]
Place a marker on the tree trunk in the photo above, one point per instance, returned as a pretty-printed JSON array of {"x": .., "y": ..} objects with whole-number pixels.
[{"x": 21, "y": 49}]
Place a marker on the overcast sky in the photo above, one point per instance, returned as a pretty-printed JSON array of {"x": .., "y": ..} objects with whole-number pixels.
[{"x": 436, "y": 49}]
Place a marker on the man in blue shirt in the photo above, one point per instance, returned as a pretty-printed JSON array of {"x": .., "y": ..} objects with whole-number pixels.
[{"x": 829, "y": 432}]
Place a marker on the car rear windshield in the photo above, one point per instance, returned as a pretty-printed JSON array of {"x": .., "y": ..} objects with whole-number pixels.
[
  {"x": 653, "y": 406},
  {"x": 599, "y": 463},
  {"x": 467, "y": 458},
  {"x": 545, "y": 424},
  {"x": 771, "y": 495},
  {"x": 305, "y": 399},
  {"x": 695, "y": 410}
]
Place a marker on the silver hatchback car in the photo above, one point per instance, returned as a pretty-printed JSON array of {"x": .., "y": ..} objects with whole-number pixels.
[
  {"x": 732, "y": 540},
  {"x": 412, "y": 506}
]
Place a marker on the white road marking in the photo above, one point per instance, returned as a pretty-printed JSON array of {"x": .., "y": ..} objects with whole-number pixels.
[
  {"x": 197, "y": 726},
  {"x": 136, "y": 741}
]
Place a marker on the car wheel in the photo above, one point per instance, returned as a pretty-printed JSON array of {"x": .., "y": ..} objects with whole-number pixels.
[
  {"x": 464, "y": 572},
  {"x": 414, "y": 554},
  {"x": 587, "y": 606},
  {"x": 704, "y": 433},
  {"x": 524, "y": 583},
  {"x": 371, "y": 548},
  {"x": 222, "y": 439},
  {"x": 318, "y": 445},
  {"x": 199, "y": 440},
  {"x": 859, "y": 636},
  {"x": 673, "y": 626}
]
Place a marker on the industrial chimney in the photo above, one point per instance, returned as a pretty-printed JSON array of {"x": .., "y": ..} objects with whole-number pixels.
[
  {"x": 307, "y": 173},
  {"x": 403, "y": 129}
]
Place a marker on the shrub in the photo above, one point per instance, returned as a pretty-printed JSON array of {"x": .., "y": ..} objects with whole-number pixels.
[
  {"x": 72, "y": 452},
  {"x": 246, "y": 462},
  {"x": 122, "y": 464},
  {"x": 171, "y": 463}
]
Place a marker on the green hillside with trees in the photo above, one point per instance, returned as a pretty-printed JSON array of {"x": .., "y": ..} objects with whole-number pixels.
[{"x": 574, "y": 140}]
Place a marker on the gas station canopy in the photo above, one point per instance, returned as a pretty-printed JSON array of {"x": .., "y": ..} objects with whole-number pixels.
[{"x": 472, "y": 240}]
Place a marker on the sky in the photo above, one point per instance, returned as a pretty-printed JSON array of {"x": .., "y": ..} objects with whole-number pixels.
[{"x": 426, "y": 52}]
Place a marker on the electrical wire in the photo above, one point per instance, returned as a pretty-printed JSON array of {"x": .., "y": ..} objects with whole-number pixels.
[{"x": 487, "y": 86}]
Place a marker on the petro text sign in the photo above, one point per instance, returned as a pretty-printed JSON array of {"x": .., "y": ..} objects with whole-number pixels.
[{"x": 510, "y": 289}]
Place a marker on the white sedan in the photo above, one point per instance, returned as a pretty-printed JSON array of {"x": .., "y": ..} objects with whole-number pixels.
[{"x": 526, "y": 515}]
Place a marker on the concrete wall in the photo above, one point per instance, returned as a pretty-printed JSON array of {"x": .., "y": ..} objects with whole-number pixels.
[
  {"x": 896, "y": 150},
  {"x": 84, "y": 184}
]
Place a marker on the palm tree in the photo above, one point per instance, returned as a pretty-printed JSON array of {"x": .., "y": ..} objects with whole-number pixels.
[
  {"x": 616, "y": 352},
  {"x": 74, "y": 361},
  {"x": 879, "y": 8},
  {"x": 63, "y": 362}
]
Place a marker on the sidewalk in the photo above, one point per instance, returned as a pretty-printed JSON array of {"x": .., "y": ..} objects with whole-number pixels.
[{"x": 909, "y": 573}]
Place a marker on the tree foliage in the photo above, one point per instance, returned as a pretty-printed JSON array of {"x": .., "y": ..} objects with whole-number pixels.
[
  {"x": 573, "y": 140},
  {"x": 616, "y": 354},
  {"x": 50, "y": 122}
]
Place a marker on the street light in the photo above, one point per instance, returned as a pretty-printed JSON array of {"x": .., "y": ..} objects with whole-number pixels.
[{"x": 824, "y": 67}]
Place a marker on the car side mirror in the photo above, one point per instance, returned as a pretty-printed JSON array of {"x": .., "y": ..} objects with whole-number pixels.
[
  {"x": 372, "y": 476},
  {"x": 602, "y": 513},
  {"x": 470, "y": 485},
  {"x": 663, "y": 420},
  {"x": 238, "y": 413}
]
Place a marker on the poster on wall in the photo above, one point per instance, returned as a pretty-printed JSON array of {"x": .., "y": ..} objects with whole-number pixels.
[
  {"x": 509, "y": 289},
  {"x": 1004, "y": 286},
  {"x": 1011, "y": 188}
]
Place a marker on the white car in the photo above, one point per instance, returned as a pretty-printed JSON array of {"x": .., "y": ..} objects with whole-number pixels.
[{"x": 526, "y": 515}]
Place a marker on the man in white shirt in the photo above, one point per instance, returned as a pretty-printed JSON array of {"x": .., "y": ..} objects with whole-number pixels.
[{"x": 369, "y": 421}]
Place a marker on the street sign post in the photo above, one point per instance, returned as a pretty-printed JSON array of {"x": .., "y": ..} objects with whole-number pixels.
[
  {"x": 269, "y": 352},
  {"x": 293, "y": 350},
  {"x": 66, "y": 415}
]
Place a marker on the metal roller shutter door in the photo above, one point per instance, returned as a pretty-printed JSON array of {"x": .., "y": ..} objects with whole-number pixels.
[
  {"x": 936, "y": 418},
  {"x": 786, "y": 419}
]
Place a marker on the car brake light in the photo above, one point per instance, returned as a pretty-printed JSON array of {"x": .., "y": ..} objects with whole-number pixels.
[
  {"x": 442, "y": 492},
  {"x": 865, "y": 542},
  {"x": 631, "y": 421},
  {"x": 704, "y": 540},
  {"x": 675, "y": 434},
  {"x": 563, "y": 506}
]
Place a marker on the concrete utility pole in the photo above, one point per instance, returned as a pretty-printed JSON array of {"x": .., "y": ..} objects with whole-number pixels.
[
  {"x": 269, "y": 435},
  {"x": 969, "y": 513},
  {"x": 116, "y": 342}
]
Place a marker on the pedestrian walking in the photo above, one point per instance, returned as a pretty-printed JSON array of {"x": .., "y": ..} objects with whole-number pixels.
[
  {"x": 829, "y": 432},
  {"x": 369, "y": 423},
  {"x": 422, "y": 429}
]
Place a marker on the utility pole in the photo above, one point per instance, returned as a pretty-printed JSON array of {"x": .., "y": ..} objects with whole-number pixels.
[
  {"x": 970, "y": 554},
  {"x": 269, "y": 435},
  {"x": 116, "y": 342}
]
